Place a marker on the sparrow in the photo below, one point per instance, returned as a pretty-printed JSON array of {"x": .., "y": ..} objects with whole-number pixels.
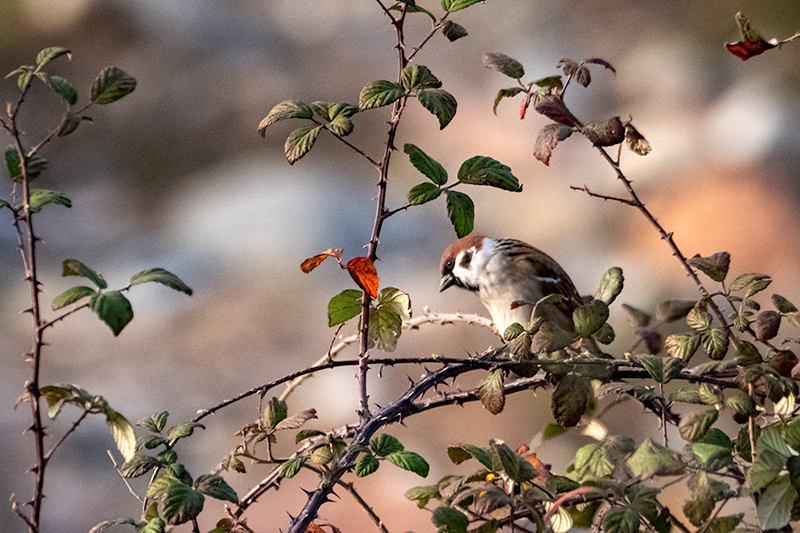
[{"x": 503, "y": 271}]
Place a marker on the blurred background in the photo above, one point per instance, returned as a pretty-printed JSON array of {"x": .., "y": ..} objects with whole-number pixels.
[{"x": 176, "y": 176}]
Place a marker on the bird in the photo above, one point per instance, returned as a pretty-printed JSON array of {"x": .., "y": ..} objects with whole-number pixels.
[{"x": 504, "y": 271}]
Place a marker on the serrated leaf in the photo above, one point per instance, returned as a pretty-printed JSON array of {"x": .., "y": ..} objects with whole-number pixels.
[
  {"x": 592, "y": 462},
  {"x": 699, "y": 319},
  {"x": 149, "y": 442},
  {"x": 589, "y": 318},
  {"x": 482, "y": 170},
  {"x": 462, "y": 452},
  {"x": 111, "y": 84},
  {"x": 621, "y": 520},
  {"x": 70, "y": 296},
  {"x": 413, "y": 462},
  {"x": 714, "y": 266},
  {"x": 570, "y": 399},
  {"x": 181, "y": 503},
  {"x": 504, "y": 64},
  {"x": 42, "y": 197},
  {"x": 113, "y": 309},
  {"x": 51, "y": 53},
  {"x": 426, "y": 164},
  {"x": 379, "y": 93},
  {"x": 122, "y": 432},
  {"x": 216, "y": 487},
  {"x": 395, "y": 299},
  {"x": 416, "y": 77},
  {"x": 745, "y": 280},
  {"x": 290, "y": 468},
  {"x": 276, "y": 412},
  {"x": 138, "y": 465},
  {"x": 742, "y": 403},
  {"x": 652, "y": 459},
  {"x": 344, "y": 306},
  {"x": 62, "y": 88},
  {"x": 491, "y": 393},
  {"x": 693, "y": 427},
  {"x": 654, "y": 366},
  {"x": 607, "y": 132},
  {"x": 448, "y": 519},
  {"x": 154, "y": 423},
  {"x": 461, "y": 211},
  {"x": 182, "y": 430},
  {"x": 73, "y": 267},
  {"x": 35, "y": 166},
  {"x": 298, "y": 420},
  {"x": 307, "y": 434},
  {"x": 714, "y": 450},
  {"x": 367, "y": 465},
  {"x": 300, "y": 141},
  {"x": 549, "y": 137},
  {"x": 509, "y": 461},
  {"x": 385, "y": 327},
  {"x": 782, "y": 304},
  {"x": 439, "y": 102},
  {"x": 610, "y": 286},
  {"x": 164, "y": 277},
  {"x": 458, "y": 5},
  {"x": 423, "y": 193},
  {"x": 715, "y": 344},
  {"x": 453, "y": 31},
  {"x": 285, "y": 110},
  {"x": 383, "y": 445},
  {"x": 775, "y": 505},
  {"x": 682, "y": 346}
]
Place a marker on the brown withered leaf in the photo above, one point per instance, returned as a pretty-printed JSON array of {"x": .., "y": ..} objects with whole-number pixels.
[
  {"x": 766, "y": 325},
  {"x": 363, "y": 272},
  {"x": 605, "y": 132},
  {"x": 636, "y": 141},
  {"x": 552, "y": 106},
  {"x": 313, "y": 262},
  {"x": 549, "y": 136},
  {"x": 752, "y": 44}
]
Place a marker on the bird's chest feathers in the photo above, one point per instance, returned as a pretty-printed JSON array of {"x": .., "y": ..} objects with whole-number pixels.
[{"x": 499, "y": 290}]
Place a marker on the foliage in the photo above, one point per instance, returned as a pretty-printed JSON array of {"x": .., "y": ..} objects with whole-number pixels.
[{"x": 614, "y": 483}]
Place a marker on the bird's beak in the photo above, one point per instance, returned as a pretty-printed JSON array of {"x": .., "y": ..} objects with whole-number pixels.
[{"x": 448, "y": 280}]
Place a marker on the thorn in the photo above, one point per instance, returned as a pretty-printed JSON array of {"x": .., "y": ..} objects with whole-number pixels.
[
  {"x": 292, "y": 518},
  {"x": 307, "y": 492},
  {"x": 28, "y": 310}
]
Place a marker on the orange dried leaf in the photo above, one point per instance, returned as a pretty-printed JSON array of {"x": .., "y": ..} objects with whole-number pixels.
[
  {"x": 313, "y": 262},
  {"x": 744, "y": 50},
  {"x": 312, "y": 527},
  {"x": 363, "y": 272}
]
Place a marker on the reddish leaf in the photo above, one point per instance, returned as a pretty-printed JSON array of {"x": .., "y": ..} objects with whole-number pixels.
[
  {"x": 313, "y": 262},
  {"x": 363, "y": 272},
  {"x": 752, "y": 44},
  {"x": 552, "y": 106},
  {"x": 548, "y": 138}
]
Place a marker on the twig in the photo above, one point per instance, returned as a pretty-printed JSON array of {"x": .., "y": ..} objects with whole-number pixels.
[
  {"x": 127, "y": 484},
  {"x": 364, "y": 505},
  {"x": 65, "y": 435},
  {"x": 602, "y": 196}
]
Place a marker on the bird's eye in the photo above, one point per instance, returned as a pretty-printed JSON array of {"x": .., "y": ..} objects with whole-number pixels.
[
  {"x": 449, "y": 264},
  {"x": 465, "y": 259}
]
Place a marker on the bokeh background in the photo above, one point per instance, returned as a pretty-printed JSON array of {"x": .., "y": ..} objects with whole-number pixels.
[{"x": 176, "y": 176}]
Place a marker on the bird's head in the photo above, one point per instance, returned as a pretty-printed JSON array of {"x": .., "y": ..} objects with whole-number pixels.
[{"x": 464, "y": 261}]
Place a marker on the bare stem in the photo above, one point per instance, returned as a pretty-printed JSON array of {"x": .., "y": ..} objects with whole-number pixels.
[{"x": 349, "y": 487}]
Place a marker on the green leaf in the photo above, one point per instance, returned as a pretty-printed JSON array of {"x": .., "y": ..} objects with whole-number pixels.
[
  {"x": 416, "y": 77},
  {"x": 307, "y": 434},
  {"x": 482, "y": 170},
  {"x": 150, "y": 442},
  {"x": 344, "y": 306},
  {"x": 108, "y": 524},
  {"x": 458, "y": 5},
  {"x": 715, "y": 344},
  {"x": 42, "y": 197},
  {"x": 552, "y": 431},
  {"x": 714, "y": 450},
  {"x": 396, "y": 299},
  {"x": 62, "y": 88},
  {"x": 181, "y": 502},
  {"x": 592, "y": 462},
  {"x": 448, "y": 519},
  {"x": 379, "y": 93},
  {"x": 589, "y": 318},
  {"x": 182, "y": 430},
  {"x": 138, "y": 465},
  {"x": 693, "y": 427},
  {"x": 782, "y": 304},
  {"x": 746, "y": 280},
  {"x": 73, "y": 267},
  {"x": 426, "y": 164},
  {"x": 113, "y": 309},
  {"x": 154, "y": 423},
  {"x": 385, "y": 327},
  {"x": 36, "y": 165},
  {"x": 422, "y": 495},
  {"x": 290, "y": 468},
  {"x": 216, "y": 487},
  {"x": 282, "y": 111},
  {"x": 610, "y": 286},
  {"x": 164, "y": 277},
  {"x": 742, "y": 403},
  {"x": 154, "y": 525},
  {"x": 570, "y": 399},
  {"x": 621, "y": 520},
  {"x": 413, "y": 462},
  {"x": 122, "y": 432},
  {"x": 300, "y": 141},
  {"x": 714, "y": 266},
  {"x": 111, "y": 85},
  {"x": 460, "y": 453},
  {"x": 51, "y": 53},
  {"x": 169, "y": 458},
  {"x": 69, "y": 123},
  {"x": 70, "y": 296},
  {"x": 367, "y": 465},
  {"x": 775, "y": 506},
  {"x": 699, "y": 319},
  {"x": 439, "y": 102},
  {"x": 423, "y": 193},
  {"x": 453, "y": 31},
  {"x": 337, "y": 116},
  {"x": 275, "y": 412},
  {"x": 461, "y": 211},
  {"x": 490, "y": 392},
  {"x": 503, "y": 63},
  {"x": 383, "y": 445},
  {"x": 682, "y": 346},
  {"x": 652, "y": 459},
  {"x": 505, "y": 93}
]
